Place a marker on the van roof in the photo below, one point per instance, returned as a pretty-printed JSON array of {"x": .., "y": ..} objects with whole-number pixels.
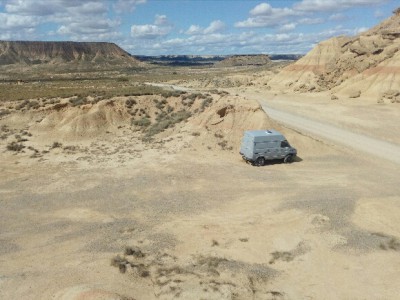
[{"x": 267, "y": 132}]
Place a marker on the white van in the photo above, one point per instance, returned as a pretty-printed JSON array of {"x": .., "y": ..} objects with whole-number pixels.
[{"x": 258, "y": 146}]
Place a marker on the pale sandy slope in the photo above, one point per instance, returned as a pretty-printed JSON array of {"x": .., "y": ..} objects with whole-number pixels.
[{"x": 209, "y": 225}]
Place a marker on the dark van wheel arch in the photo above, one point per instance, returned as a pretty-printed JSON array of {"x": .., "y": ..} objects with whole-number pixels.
[
  {"x": 260, "y": 161},
  {"x": 288, "y": 159}
]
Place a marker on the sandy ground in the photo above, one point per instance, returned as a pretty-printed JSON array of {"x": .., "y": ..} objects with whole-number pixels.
[{"x": 202, "y": 224}]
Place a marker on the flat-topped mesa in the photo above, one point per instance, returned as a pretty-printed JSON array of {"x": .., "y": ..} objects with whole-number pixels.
[
  {"x": 244, "y": 60},
  {"x": 32, "y": 53}
]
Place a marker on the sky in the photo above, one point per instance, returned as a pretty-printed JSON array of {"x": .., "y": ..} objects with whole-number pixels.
[{"x": 193, "y": 27}]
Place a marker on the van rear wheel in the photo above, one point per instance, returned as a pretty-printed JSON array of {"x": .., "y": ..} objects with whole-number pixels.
[
  {"x": 288, "y": 159},
  {"x": 259, "y": 162}
]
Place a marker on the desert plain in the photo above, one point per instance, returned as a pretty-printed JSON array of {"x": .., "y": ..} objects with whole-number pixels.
[{"x": 94, "y": 206}]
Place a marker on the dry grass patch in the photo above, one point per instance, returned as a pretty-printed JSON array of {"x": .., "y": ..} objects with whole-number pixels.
[{"x": 15, "y": 146}]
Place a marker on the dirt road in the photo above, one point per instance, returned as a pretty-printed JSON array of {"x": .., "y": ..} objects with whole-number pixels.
[{"x": 359, "y": 142}]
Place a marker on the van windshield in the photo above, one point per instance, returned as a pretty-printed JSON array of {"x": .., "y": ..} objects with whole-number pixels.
[{"x": 285, "y": 144}]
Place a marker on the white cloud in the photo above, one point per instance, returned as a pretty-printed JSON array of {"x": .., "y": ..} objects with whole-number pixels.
[
  {"x": 127, "y": 5},
  {"x": 282, "y": 37},
  {"x": 43, "y": 7},
  {"x": 91, "y": 8},
  {"x": 332, "y": 5},
  {"x": 337, "y": 17},
  {"x": 101, "y": 20},
  {"x": 148, "y": 31},
  {"x": 17, "y": 27},
  {"x": 88, "y": 27},
  {"x": 287, "y": 27},
  {"x": 310, "y": 21},
  {"x": 161, "y": 20},
  {"x": 194, "y": 30},
  {"x": 75, "y": 19},
  {"x": 28, "y": 7},
  {"x": 245, "y": 42},
  {"x": 242, "y": 42},
  {"x": 160, "y": 28},
  {"x": 16, "y": 22},
  {"x": 360, "y": 30},
  {"x": 261, "y": 9},
  {"x": 263, "y": 15},
  {"x": 214, "y": 27}
]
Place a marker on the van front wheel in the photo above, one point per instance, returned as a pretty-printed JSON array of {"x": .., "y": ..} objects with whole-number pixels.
[
  {"x": 288, "y": 159},
  {"x": 259, "y": 162}
]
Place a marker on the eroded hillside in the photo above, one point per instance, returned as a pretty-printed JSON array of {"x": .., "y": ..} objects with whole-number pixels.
[
  {"x": 144, "y": 117},
  {"x": 26, "y": 59},
  {"x": 367, "y": 65}
]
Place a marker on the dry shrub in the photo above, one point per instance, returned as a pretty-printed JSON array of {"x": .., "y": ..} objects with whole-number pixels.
[
  {"x": 143, "y": 122},
  {"x": 120, "y": 263},
  {"x": 15, "y": 146},
  {"x": 166, "y": 121},
  {"x": 4, "y": 112},
  {"x": 56, "y": 145},
  {"x": 134, "y": 251}
]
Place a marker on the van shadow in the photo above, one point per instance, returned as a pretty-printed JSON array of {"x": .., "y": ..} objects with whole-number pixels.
[
  {"x": 271, "y": 162},
  {"x": 297, "y": 159}
]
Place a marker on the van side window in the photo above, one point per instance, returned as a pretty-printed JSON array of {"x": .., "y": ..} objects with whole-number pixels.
[{"x": 284, "y": 144}]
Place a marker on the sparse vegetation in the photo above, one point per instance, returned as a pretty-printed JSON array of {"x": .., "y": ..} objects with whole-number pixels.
[
  {"x": 78, "y": 101},
  {"x": 223, "y": 144},
  {"x": 165, "y": 121},
  {"x": 134, "y": 251},
  {"x": 15, "y": 146},
  {"x": 20, "y": 139},
  {"x": 59, "y": 106},
  {"x": 27, "y": 104},
  {"x": 4, "y": 112},
  {"x": 105, "y": 89},
  {"x": 143, "y": 122},
  {"x": 71, "y": 148},
  {"x": 284, "y": 256},
  {"x": 168, "y": 94},
  {"x": 206, "y": 102},
  {"x": 392, "y": 244},
  {"x": 120, "y": 263},
  {"x": 130, "y": 102},
  {"x": 56, "y": 145}
]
